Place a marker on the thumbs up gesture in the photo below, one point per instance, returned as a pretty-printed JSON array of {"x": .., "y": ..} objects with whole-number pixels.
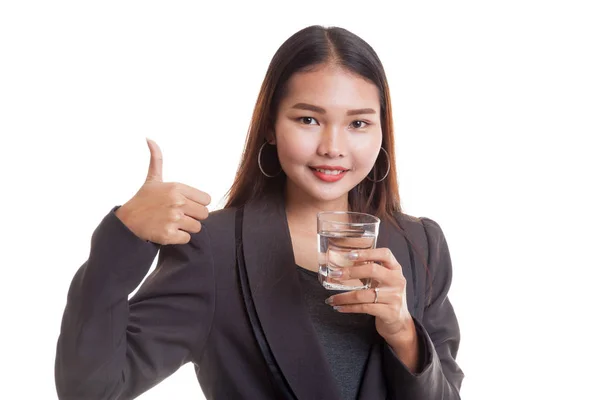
[{"x": 164, "y": 212}]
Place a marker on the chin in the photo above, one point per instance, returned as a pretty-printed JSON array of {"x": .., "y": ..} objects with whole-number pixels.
[
  {"x": 327, "y": 193},
  {"x": 326, "y": 197}
]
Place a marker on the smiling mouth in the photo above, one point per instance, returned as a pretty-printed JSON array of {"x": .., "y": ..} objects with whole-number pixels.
[
  {"x": 329, "y": 171},
  {"x": 329, "y": 174}
]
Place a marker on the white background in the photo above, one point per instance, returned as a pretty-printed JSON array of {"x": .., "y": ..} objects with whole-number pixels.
[{"x": 496, "y": 108}]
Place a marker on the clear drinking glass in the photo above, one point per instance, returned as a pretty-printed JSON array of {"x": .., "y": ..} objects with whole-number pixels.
[{"x": 339, "y": 233}]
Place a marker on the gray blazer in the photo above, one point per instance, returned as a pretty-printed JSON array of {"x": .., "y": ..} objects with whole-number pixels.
[{"x": 191, "y": 309}]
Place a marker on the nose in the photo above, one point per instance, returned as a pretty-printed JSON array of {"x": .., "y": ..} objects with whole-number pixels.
[{"x": 332, "y": 143}]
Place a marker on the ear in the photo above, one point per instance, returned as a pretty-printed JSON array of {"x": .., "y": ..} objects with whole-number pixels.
[{"x": 271, "y": 139}]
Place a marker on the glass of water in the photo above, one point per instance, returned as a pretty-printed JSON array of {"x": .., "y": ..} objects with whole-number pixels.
[{"x": 339, "y": 233}]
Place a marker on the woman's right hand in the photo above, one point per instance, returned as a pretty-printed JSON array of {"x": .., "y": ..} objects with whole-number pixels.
[{"x": 164, "y": 212}]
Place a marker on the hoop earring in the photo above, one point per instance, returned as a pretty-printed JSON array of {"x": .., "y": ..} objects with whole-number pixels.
[
  {"x": 386, "y": 172},
  {"x": 260, "y": 166}
]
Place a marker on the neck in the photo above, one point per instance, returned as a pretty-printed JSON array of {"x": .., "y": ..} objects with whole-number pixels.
[{"x": 301, "y": 210}]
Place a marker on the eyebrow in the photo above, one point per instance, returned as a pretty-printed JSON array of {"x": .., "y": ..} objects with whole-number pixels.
[{"x": 320, "y": 110}]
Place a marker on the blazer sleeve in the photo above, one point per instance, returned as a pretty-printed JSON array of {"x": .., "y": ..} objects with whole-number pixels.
[
  {"x": 439, "y": 335},
  {"x": 110, "y": 347}
]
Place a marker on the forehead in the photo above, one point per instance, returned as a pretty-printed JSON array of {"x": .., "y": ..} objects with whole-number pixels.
[{"x": 331, "y": 87}]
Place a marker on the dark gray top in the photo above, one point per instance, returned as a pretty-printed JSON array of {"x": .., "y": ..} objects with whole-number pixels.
[{"x": 345, "y": 338}]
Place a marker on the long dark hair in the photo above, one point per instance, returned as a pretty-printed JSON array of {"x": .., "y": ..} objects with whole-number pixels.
[{"x": 306, "y": 49}]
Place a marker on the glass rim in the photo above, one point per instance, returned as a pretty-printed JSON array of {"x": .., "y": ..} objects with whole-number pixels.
[{"x": 375, "y": 220}]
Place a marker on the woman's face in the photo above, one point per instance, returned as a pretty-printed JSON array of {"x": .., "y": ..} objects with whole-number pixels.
[{"x": 328, "y": 133}]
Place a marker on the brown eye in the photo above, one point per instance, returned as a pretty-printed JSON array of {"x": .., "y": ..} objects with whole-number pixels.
[
  {"x": 306, "y": 120},
  {"x": 359, "y": 124}
]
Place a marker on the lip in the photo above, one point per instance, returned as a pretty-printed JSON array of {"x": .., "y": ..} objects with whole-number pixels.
[
  {"x": 328, "y": 178},
  {"x": 329, "y": 167}
]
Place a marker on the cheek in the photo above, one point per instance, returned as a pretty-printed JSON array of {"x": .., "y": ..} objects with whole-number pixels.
[
  {"x": 293, "y": 147},
  {"x": 294, "y": 151},
  {"x": 367, "y": 150}
]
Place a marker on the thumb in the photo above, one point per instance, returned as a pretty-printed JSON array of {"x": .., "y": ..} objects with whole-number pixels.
[{"x": 156, "y": 162}]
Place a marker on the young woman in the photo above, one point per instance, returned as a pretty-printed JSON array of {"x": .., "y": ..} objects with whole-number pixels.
[{"x": 237, "y": 294}]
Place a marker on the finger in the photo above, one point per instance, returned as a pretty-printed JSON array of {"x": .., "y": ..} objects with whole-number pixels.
[
  {"x": 194, "y": 194},
  {"x": 189, "y": 224},
  {"x": 374, "y": 271},
  {"x": 383, "y": 311},
  {"x": 381, "y": 255},
  {"x": 181, "y": 237},
  {"x": 195, "y": 210},
  {"x": 156, "y": 162},
  {"x": 385, "y": 295}
]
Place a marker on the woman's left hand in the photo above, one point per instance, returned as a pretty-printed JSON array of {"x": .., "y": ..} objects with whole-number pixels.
[{"x": 392, "y": 318}]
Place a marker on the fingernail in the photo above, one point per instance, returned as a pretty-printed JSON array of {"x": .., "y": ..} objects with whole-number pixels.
[
  {"x": 353, "y": 255},
  {"x": 328, "y": 300},
  {"x": 336, "y": 273},
  {"x": 337, "y": 308}
]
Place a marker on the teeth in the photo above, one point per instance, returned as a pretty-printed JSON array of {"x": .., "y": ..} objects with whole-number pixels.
[{"x": 329, "y": 171}]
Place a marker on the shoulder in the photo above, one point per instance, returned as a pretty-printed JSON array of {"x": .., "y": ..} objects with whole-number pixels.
[
  {"x": 220, "y": 222},
  {"x": 217, "y": 217},
  {"x": 407, "y": 219},
  {"x": 425, "y": 232},
  {"x": 430, "y": 226},
  {"x": 217, "y": 228},
  {"x": 435, "y": 235},
  {"x": 436, "y": 245},
  {"x": 439, "y": 263}
]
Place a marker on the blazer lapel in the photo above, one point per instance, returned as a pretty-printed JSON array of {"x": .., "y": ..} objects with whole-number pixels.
[
  {"x": 276, "y": 291},
  {"x": 390, "y": 238},
  {"x": 373, "y": 385}
]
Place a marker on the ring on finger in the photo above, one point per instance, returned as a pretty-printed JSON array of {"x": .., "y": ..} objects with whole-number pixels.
[{"x": 376, "y": 295}]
